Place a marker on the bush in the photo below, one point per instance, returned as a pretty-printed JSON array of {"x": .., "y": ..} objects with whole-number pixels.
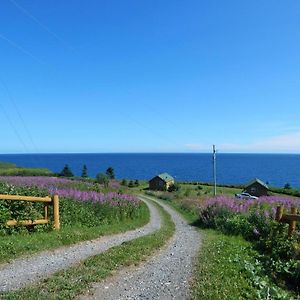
[
  {"x": 280, "y": 255},
  {"x": 174, "y": 187},
  {"x": 102, "y": 179},
  {"x": 130, "y": 184},
  {"x": 124, "y": 182}
]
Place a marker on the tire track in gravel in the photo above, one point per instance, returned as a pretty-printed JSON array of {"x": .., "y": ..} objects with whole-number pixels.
[
  {"x": 28, "y": 270},
  {"x": 164, "y": 276}
]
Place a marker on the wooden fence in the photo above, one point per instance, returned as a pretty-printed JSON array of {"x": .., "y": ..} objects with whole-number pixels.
[
  {"x": 292, "y": 219},
  {"x": 54, "y": 200}
]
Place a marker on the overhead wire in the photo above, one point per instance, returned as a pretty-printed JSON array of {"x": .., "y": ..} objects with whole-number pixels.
[
  {"x": 16, "y": 132},
  {"x": 16, "y": 108},
  {"x": 17, "y": 46},
  {"x": 37, "y": 21}
]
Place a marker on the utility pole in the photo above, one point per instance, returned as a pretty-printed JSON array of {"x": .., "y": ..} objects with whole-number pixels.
[{"x": 215, "y": 170}]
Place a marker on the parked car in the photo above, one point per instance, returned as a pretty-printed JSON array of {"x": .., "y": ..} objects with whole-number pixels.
[{"x": 245, "y": 196}]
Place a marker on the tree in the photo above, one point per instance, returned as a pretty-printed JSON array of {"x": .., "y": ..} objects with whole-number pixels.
[
  {"x": 84, "y": 172},
  {"x": 131, "y": 184},
  {"x": 102, "y": 179},
  {"x": 66, "y": 172},
  {"x": 287, "y": 186},
  {"x": 136, "y": 183},
  {"x": 110, "y": 173},
  {"x": 124, "y": 182}
]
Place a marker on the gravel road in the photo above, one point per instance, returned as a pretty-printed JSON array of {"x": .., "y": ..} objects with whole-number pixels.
[
  {"x": 165, "y": 276},
  {"x": 24, "y": 271}
]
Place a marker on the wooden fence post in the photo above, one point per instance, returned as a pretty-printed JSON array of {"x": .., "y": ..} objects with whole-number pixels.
[
  {"x": 279, "y": 213},
  {"x": 56, "y": 212},
  {"x": 292, "y": 224}
]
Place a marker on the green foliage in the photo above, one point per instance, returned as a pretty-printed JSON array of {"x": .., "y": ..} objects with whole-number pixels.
[
  {"x": 12, "y": 246},
  {"x": 9, "y": 169},
  {"x": 136, "y": 183},
  {"x": 130, "y": 184},
  {"x": 7, "y": 165},
  {"x": 66, "y": 172},
  {"x": 287, "y": 186},
  {"x": 124, "y": 182},
  {"x": 19, "y": 210},
  {"x": 279, "y": 256},
  {"x": 84, "y": 173},
  {"x": 102, "y": 179},
  {"x": 174, "y": 187},
  {"x": 18, "y": 171},
  {"x": 110, "y": 173},
  {"x": 220, "y": 272}
]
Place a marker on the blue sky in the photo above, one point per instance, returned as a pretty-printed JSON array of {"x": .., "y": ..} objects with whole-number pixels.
[{"x": 149, "y": 76}]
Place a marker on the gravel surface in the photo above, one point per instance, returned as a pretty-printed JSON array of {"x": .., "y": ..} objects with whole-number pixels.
[
  {"x": 164, "y": 276},
  {"x": 23, "y": 271}
]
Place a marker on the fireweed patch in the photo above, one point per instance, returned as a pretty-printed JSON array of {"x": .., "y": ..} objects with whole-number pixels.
[{"x": 255, "y": 221}]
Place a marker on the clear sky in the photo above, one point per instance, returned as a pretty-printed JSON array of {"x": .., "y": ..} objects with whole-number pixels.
[{"x": 149, "y": 76}]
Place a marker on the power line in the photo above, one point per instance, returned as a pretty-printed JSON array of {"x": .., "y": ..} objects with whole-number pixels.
[
  {"x": 10, "y": 97},
  {"x": 14, "y": 128},
  {"x": 15, "y": 45},
  {"x": 37, "y": 21}
]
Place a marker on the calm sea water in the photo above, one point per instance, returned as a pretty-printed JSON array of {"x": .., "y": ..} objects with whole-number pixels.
[{"x": 277, "y": 169}]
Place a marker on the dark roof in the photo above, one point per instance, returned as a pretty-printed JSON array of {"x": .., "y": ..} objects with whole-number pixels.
[
  {"x": 165, "y": 177},
  {"x": 258, "y": 181}
]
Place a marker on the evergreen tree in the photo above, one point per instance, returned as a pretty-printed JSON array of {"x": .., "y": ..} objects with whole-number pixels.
[
  {"x": 136, "y": 183},
  {"x": 131, "y": 184},
  {"x": 84, "y": 173},
  {"x": 110, "y": 173},
  {"x": 66, "y": 172},
  {"x": 287, "y": 186}
]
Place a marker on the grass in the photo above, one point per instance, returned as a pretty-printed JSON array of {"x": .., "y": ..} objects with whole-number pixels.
[
  {"x": 9, "y": 169},
  {"x": 76, "y": 280},
  {"x": 220, "y": 271},
  {"x": 13, "y": 246}
]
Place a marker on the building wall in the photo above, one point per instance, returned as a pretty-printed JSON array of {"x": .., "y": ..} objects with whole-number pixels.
[
  {"x": 257, "y": 190},
  {"x": 157, "y": 183}
]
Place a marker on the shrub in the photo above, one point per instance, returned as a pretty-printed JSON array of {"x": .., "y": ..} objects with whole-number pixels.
[
  {"x": 254, "y": 221},
  {"x": 174, "y": 187},
  {"x": 102, "y": 179}
]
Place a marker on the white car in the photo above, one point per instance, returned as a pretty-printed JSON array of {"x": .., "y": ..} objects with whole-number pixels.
[{"x": 245, "y": 196}]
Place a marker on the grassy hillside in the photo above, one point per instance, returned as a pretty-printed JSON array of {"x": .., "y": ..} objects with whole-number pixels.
[{"x": 9, "y": 169}]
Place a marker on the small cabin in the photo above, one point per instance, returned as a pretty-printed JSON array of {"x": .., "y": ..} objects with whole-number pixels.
[
  {"x": 161, "y": 182},
  {"x": 257, "y": 188}
]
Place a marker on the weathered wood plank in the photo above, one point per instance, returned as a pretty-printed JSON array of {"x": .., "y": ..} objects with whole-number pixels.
[
  {"x": 27, "y": 222},
  {"x": 25, "y": 198}
]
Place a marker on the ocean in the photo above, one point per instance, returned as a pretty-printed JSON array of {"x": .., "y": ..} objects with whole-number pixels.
[{"x": 276, "y": 169}]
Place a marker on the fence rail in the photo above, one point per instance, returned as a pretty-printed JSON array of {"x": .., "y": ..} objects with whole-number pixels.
[
  {"x": 54, "y": 201},
  {"x": 292, "y": 219}
]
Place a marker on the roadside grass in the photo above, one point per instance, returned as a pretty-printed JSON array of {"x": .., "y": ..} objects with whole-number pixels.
[
  {"x": 220, "y": 272},
  {"x": 74, "y": 281},
  {"x": 13, "y": 246}
]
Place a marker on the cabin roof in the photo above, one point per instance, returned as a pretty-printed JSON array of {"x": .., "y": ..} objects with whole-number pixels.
[
  {"x": 258, "y": 181},
  {"x": 165, "y": 177}
]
